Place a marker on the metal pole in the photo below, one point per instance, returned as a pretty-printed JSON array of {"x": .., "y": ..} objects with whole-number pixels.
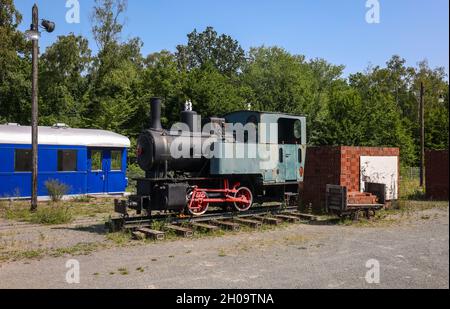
[
  {"x": 422, "y": 135},
  {"x": 35, "y": 111}
]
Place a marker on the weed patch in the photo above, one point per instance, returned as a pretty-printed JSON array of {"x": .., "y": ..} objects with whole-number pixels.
[
  {"x": 54, "y": 213},
  {"x": 52, "y": 216},
  {"x": 222, "y": 253},
  {"x": 119, "y": 238},
  {"x": 56, "y": 190},
  {"x": 78, "y": 249},
  {"x": 402, "y": 210}
]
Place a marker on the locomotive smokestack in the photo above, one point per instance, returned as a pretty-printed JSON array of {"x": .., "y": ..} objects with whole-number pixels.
[{"x": 155, "y": 120}]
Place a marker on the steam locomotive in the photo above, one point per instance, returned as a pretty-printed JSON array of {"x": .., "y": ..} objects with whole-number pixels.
[{"x": 233, "y": 162}]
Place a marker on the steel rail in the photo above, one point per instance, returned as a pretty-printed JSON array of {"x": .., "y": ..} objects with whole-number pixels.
[{"x": 143, "y": 221}]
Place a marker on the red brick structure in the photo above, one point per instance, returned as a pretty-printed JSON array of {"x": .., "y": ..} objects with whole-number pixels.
[
  {"x": 335, "y": 166},
  {"x": 437, "y": 175}
]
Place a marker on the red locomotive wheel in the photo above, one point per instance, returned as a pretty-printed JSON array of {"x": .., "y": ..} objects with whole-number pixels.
[
  {"x": 198, "y": 207},
  {"x": 246, "y": 195}
]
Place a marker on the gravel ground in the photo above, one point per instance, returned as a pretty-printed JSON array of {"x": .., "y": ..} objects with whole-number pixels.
[
  {"x": 26, "y": 237},
  {"x": 413, "y": 254}
]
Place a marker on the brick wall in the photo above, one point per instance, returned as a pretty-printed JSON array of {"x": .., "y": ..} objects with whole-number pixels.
[
  {"x": 322, "y": 167},
  {"x": 335, "y": 166},
  {"x": 351, "y": 163},
  {"x": 437, "y": 174}
]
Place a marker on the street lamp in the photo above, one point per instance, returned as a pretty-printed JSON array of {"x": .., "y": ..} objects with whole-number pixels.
[{"x": 33, "y": 34}]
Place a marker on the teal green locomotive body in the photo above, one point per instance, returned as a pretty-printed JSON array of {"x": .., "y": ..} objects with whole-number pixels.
[{"x": 280, "y": 148}]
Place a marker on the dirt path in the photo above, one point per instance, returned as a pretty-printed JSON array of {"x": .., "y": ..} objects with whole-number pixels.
[{"x": 413, "y": 254}]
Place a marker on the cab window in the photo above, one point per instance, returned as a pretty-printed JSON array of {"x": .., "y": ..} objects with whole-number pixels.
[{"x": 289, "y": 131}]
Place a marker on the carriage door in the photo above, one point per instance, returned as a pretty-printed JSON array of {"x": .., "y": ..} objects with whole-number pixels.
[{"x": 96, "y": 171}]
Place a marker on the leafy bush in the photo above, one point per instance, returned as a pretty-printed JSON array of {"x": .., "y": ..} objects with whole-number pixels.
[
  {"x": 56, "y": 190},
  {"x": 134, "y": 171}
]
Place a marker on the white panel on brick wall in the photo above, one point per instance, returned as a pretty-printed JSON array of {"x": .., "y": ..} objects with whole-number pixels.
[{"x": 381, "y": 170}]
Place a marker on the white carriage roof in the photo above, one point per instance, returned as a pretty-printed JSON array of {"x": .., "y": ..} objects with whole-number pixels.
[{"x": 62, "y": 136}]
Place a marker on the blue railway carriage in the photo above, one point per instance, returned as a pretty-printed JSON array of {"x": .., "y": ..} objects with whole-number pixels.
[{"x": 86, "y": 161}]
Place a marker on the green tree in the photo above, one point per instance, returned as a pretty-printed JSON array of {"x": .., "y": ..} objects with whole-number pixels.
[
  {"x": 116, "y": 72},
  {"x": 63, "y": 81},
  {"x": 343, "y": 124},
  {"x": 112, "y": 90},
  {"x": 281, "y": 82},
  {"x": 325, "y": 76},
  {"x": 436, "y": 105},
  {"x": 208, "y": 48},
  {"x": 15, "y": 67},
  {"x": 162, "y": 78},
  {"x": 401, "y": 84},
  {"x": 370, "y": 119},
  {"x": 213, "y": 93},
  {"x": 383, "y": 117},
  {"x": 106, "y": 23},
  {"x": 115, "y": 92}
]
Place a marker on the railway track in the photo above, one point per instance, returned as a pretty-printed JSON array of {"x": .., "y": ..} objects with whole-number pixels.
[
  {"x": 186, "y": 226},
  {"x": 144, "y": 227},
  {"x": 28, "y": 226}
]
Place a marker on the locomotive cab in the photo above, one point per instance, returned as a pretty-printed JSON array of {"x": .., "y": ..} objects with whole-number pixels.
[{"x": 282, "y": 136}]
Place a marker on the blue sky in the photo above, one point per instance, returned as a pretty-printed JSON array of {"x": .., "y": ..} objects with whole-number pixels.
[{"x": 330, "y": 29}]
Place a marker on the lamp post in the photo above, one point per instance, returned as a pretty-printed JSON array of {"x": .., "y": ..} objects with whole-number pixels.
[{"x": 34, "y": 35}]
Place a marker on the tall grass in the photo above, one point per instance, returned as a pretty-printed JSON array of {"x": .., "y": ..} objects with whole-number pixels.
[
  {"x": 51, "y": 214},
  {"x": 410, "y": 185}
]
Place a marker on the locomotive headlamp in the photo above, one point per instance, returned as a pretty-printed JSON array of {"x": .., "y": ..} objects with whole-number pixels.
[{"x": 49, "y": 26}]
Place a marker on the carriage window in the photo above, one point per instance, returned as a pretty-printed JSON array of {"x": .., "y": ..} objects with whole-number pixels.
[
  {"x": 67, "y": 160},
  {"x": 281, "y": 155},
  {"x": 300, "y": 155},
  {"x": 116, "y": 160},
  {"x": 96, "y": 160},
  {"x": 23, "y": 160}
]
